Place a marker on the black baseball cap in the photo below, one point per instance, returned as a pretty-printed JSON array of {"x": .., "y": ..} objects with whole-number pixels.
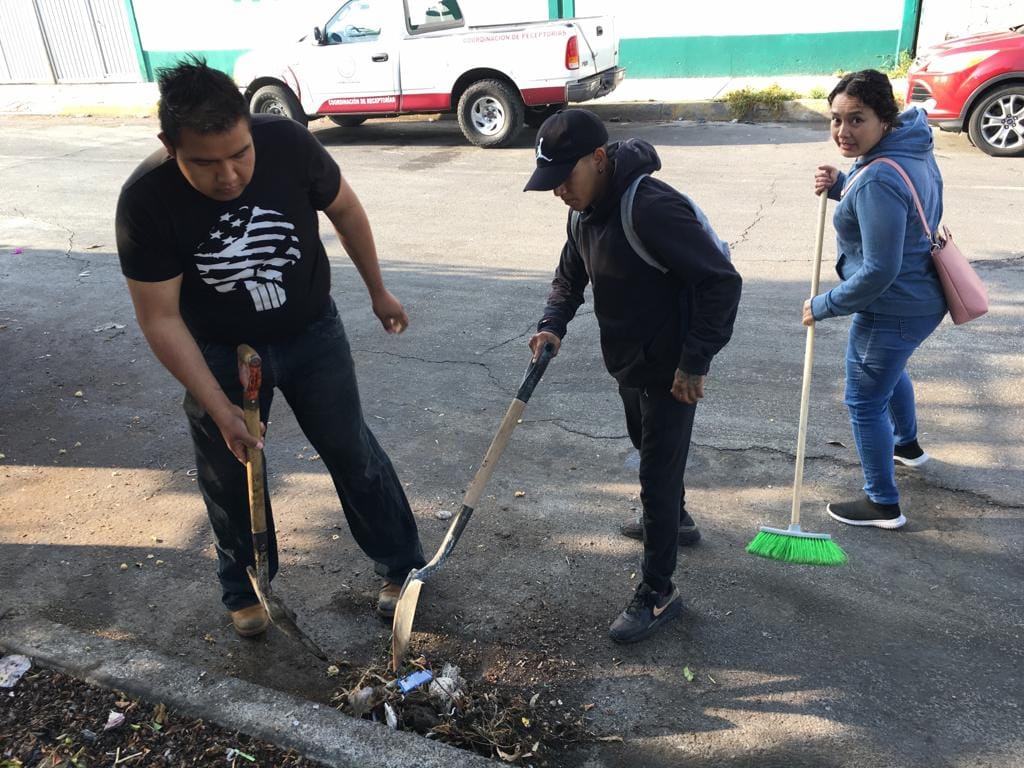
[{"x": 562, "y": 140}]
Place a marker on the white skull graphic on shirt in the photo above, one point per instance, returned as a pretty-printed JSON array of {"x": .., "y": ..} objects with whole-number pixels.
[{"x": 249, "y": 247}]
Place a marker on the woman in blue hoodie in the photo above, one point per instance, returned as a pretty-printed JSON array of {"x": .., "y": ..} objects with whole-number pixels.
[{"x": 889, "y": 283}]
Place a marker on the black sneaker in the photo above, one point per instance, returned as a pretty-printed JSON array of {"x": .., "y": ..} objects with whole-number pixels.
[
  {"x": 647, "y": 611},
  {"x": 909, "y": 454},
  {"x": 867, "y": 512},
  {"x": 688, "y": 532}
]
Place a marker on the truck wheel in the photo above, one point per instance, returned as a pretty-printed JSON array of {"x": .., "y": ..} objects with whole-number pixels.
[
  {"x": 277, "y": 100},
  {"x": 347, "y": 121},
  {"x": 996, "y": 124},
  {"x": 490, "y": 113},
  {"x": 535, "y": 116}
]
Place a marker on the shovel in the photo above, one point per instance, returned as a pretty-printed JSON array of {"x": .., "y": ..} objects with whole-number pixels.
[
  {"x": 405, "y": 610},
  {"x": 250, "y": 373}
]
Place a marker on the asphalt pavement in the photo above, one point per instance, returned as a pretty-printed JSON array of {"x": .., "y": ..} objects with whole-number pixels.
[{"x": 909, "y": 656}]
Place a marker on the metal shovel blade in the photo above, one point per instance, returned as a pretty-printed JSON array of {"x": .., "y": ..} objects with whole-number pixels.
[
  {"x": 282, "y": 616},
  {"x": 405, "y": 612}
]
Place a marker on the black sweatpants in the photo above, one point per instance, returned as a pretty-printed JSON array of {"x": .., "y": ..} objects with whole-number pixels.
[{"x": 660, "y": 427}]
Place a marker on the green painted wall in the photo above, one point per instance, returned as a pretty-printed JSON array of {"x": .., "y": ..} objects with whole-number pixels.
[
  {"x": 753, "y": 55},
  {"x": 705, "y": 56},
  {"x": 223, "y": 60}
]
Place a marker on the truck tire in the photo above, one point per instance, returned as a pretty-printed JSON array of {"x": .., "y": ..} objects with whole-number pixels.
[
  {"x": 490, "y": 113},
  {"x": 347, "y": 121},
  {"x": 277, "y": 100},
  {"x": 996, "y": 124}
]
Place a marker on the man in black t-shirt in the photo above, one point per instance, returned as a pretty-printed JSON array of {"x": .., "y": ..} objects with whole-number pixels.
[{"x": 218, "y": 239}]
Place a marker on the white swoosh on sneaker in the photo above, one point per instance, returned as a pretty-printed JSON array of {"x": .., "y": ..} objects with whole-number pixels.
[{"x": 658, "y": 611}]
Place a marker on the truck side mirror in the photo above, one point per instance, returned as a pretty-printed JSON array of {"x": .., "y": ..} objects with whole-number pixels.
[{"x": 318, "y": 35}]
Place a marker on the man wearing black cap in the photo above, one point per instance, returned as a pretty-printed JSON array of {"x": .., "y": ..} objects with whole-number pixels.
[{"x": 664, "y": 307}]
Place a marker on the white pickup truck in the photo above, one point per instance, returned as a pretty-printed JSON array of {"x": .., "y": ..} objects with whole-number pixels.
[{"x": 382, "y": 58}]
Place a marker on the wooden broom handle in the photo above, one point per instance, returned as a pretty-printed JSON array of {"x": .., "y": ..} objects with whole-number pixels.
[{"x": 805, "y": 390}]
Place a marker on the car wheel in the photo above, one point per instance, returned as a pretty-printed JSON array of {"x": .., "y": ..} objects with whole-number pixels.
[
  {"x": 347, "y": 121},
  {"x": 996, "y": 124},
  {"x": 277, "y": 100},
  {"x": 490, "y": 113}
]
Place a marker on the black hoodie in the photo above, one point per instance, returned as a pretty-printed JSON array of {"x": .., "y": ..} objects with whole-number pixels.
[{"x": 651, "y": 322}]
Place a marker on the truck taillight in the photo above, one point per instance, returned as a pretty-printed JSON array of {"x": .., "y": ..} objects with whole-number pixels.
[{"x": 572, "y": 53}]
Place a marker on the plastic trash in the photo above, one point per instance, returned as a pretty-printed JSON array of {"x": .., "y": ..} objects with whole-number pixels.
[
  {"x": 363, "y": 700},
  {"x": 449, "y": 686},
  {"x": 391, "y": 716},
  {"x": 12, "y": 668},
  {"x": 415, "y": 680},
  {"x": 114, "y": 719}
]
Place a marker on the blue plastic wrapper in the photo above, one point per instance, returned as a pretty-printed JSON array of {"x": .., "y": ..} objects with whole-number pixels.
[{"x": 415, "y": 680}]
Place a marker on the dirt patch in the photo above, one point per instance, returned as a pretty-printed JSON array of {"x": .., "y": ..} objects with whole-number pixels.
[{"x": 56, "y": 721}]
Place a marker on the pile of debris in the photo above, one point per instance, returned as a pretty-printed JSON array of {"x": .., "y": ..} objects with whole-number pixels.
[{"x": 514, "y": 726}]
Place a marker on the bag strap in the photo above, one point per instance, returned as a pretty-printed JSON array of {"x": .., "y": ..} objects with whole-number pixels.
[
  {"x": 633, "y": 237},
  {"x": 626, "y": 214},
  {"x": 910, "y": 186}
]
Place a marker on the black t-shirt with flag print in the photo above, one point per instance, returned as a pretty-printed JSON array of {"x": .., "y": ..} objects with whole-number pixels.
[{"x": 253, "y": 269}]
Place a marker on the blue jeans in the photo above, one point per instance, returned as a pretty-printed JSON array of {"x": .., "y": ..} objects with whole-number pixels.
[
  {"x": 880, "y": 395},
  {"x": 315, "y": 373}
]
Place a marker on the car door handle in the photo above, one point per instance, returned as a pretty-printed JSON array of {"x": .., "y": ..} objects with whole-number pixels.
[{"x": 380, "y": 57}]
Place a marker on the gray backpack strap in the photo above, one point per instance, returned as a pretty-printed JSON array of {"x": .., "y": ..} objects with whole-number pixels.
[
  {"x": 626, "y": 216},
  {"x": 626, "y": 213},
  {"x": 706, "y": 225}
]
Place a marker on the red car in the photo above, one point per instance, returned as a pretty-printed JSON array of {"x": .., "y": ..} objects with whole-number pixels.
[{"x": 976, "y": 84}]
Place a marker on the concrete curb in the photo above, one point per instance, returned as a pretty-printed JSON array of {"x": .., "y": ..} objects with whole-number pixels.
[
  {"x": 317, "y": 732},
  {"x": 139, "y": 102},
  {"x": 798, "y": 111}
]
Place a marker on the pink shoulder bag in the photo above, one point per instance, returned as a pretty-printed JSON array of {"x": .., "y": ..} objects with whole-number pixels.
[{"x": 965, "y": 294}]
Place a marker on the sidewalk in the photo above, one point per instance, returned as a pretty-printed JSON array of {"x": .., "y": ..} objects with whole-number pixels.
[{"x": 638, "y": 100}]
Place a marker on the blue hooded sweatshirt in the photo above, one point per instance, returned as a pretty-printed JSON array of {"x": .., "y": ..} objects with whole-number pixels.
[{"x": 884, "y": 254}]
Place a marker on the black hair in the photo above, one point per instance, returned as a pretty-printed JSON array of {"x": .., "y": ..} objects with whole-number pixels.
[
  {"x": 873, "y": 89},
  {"x": 196, "y": 96}
]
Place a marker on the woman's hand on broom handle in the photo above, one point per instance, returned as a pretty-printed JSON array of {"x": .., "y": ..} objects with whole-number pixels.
[
  {"x": 808, "y": 319},
  {"x": 825, "y": 178}
]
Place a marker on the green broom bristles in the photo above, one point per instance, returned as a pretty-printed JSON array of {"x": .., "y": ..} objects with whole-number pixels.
[{"x": 793, "y": 546}]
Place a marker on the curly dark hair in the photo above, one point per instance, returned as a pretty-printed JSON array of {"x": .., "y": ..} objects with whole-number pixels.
[
  {"x": 196, "y": 96},
  {"x": 873, "y": 89}
]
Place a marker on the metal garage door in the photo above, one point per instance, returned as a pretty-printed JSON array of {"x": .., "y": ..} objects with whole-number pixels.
[{"x": 67, "y": 41}]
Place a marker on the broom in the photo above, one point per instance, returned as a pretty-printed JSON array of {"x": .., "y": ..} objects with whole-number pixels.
[{"x": 792, "y": 545}]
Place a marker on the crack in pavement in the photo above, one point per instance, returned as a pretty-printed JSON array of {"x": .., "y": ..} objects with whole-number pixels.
[
  {"x": 1009, "y": 261},
  {"x": 522, "y": 335},
  {"x": 486, "y": 368},
  {"x": 762, "y": 210},
  {"x": 526, "y": 334},
  {"x": 931, "y": 482}
]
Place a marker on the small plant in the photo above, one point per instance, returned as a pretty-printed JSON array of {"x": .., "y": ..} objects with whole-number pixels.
[
  {"x": 817, "y": 92},
  {"x": 747, "y": 102},
  {"x": 900, "y": 66}
]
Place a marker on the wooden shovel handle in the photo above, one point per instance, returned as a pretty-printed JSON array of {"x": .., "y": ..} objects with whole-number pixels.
[{"x": 250, "y": 374}]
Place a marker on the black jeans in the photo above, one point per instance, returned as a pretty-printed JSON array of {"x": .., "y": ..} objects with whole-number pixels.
[
  {"x": 660, "y": 427},
  {"x": 315, "y": 373}
]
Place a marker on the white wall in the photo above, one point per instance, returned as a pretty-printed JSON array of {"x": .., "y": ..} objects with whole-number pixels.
[
  {"x": 942, "y": 19},
  {"x": 689, "y": 18},
  {"x": 177, "y": 25}
]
